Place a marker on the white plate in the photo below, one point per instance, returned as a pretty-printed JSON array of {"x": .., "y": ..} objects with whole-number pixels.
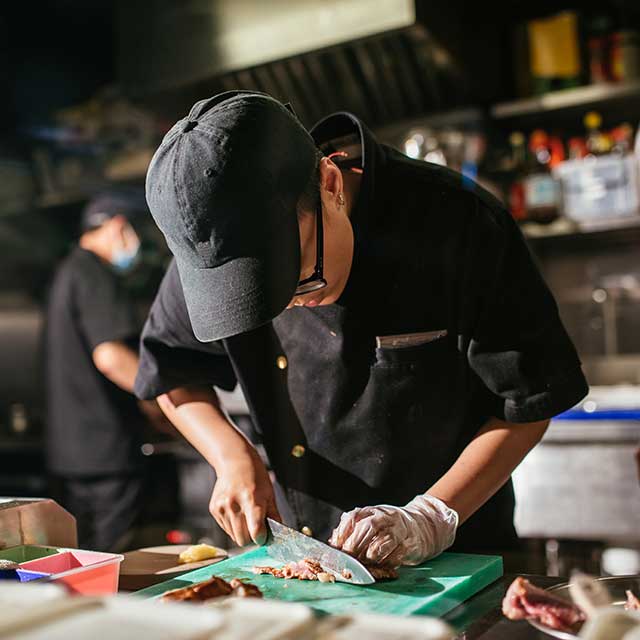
[{"x": 617, "y": 586}]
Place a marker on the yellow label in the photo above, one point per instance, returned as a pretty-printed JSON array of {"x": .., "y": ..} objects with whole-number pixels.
[{"x": 553, "y": 46}]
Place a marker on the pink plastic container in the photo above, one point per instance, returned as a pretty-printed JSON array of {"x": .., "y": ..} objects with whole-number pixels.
[{"x": 85, "y": 572}]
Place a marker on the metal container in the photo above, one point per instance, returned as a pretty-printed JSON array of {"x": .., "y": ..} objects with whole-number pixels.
[
  {"x": 581, "y": 482},
  {"x": 35, "y": 521}
]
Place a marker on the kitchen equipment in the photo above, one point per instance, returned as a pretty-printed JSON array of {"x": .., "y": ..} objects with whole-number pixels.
[
  {"x": 35, "y": 521},
  {"x": 616, "y": 586},
  {"x": 433, "y": 588},
  {"x": 288, "y": 545},
  {"x": 145, "y": 567},
  {"x": 85, "y": 572},
  {"x": 599, "y": 190}
]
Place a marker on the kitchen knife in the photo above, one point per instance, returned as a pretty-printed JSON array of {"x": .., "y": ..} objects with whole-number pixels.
[{"x": 288, "y": 545}]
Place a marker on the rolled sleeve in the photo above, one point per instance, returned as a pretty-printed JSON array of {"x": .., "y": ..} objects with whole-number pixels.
[
  {"x": 170, "y": 354},
  {"x": 519, "y": 347}
]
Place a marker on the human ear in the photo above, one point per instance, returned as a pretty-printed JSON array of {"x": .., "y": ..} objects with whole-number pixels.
[{"x": 330, "y": 177}]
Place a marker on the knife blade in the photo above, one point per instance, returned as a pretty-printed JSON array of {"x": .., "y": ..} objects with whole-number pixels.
[{"x": 288, "y": 545}]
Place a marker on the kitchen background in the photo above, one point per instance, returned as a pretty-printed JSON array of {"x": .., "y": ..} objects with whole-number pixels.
[{"x": 540, "y": 103}]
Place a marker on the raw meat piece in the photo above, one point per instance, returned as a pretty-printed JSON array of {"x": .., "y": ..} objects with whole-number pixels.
[
  {"x": 244, "y": 590},
  {"x": 213, "y": 588},
  {"x": 326, "y": 577},
  {"x": 8, "y": 565},
  {"x": 307, "y": 569},
  {"x": 310, "y": 569},
  {"x": 380, "y": 572},
  {"x": 633, "y": 602},
  {"x": 526, "y": 601}
]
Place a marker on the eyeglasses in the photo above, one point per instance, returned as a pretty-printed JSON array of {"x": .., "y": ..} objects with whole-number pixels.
[{"x": 316, "y": 281}]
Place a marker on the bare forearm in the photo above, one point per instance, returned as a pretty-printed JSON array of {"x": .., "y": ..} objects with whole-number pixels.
[
  {"x": 117, "y": 362},
  {"x": 486, "y": 464},
  {"x": 197, "y": 414}
]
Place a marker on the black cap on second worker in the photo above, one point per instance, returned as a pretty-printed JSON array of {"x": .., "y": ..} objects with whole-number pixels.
[{"x": 223, "y": 188}]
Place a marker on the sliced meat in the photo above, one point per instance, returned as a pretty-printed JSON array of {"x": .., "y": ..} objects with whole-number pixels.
[
  {"x": 244, "y": 590},
  {"x": 213, "y": 588},
  {"x": 310, "y": 569},
  {"x": 633, "y": 602},
  {"x": 307, "y": 569},
  {"x": 380, "y": 572},
  {"x": 526, "y": 601}
]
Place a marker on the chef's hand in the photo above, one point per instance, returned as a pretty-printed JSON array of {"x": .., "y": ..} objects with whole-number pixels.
[
  {"x": 397, "y": 535},
  {"x": 242, "y": 498}
]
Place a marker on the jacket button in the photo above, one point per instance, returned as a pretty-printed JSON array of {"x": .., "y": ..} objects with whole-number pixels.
[
  {"x": 281, "y": 362},
  {"x": 307, "y": 531},
  {"x": 298, "y": 451}
]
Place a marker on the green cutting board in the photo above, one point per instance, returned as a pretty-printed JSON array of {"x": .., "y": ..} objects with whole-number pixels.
[{"x": 433, "y": 588}]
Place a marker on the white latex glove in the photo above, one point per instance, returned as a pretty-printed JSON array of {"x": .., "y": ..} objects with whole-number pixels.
[{"x": 392, "y": 536}]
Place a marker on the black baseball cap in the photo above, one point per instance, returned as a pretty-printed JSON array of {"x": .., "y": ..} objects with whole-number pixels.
[
  {"x": 223, "y": 188},
  {"x": 123, "y": 201}
]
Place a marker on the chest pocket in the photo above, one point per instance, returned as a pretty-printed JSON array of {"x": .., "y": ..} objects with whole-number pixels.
[
  {"x": 424, "y": 354},
  {"x": 401, "y": 432}
]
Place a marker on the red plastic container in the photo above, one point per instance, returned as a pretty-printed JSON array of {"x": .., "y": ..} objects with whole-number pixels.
[{"x": 85, "y": 572}]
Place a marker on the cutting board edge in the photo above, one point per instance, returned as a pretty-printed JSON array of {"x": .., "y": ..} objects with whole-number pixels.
[{"x": 479, "y": 581}]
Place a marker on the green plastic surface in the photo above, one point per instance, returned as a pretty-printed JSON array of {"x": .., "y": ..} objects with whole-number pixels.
[
  {"x": 27, "y": 552},
  {"x": 433, "y": 588}
]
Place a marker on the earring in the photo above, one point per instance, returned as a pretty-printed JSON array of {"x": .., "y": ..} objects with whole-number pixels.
[{"x": 341, "y": 200}]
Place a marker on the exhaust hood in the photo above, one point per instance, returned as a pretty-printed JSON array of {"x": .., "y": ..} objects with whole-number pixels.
[
  {"x": 369, "y": 57},
  {"x": 182, "y": 42}
]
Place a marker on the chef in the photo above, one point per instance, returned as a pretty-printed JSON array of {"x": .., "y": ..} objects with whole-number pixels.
[
  {"x": 397, "y": 347},
  {"x": 94, "y": 424}
]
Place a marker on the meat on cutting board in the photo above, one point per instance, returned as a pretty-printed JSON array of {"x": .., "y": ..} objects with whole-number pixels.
[
  {"x": 307, "y": 569},
  {"x": 633, "y": 602},
  {"x": 526, "y": 601},
  {"x": 213, "y": 588},
  {"x": 310, "y": 569}
]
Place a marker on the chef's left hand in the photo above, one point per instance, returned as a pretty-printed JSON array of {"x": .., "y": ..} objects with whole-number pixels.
[{"x": 397, "y": 535}]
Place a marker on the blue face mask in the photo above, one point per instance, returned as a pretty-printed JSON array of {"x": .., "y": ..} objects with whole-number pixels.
[{"x": 124, "y": 260}]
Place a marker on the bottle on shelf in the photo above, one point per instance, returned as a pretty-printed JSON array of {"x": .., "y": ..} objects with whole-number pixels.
[
  {"x": 542, "y": 195},
  {"x": 622, "y": 137},
  {"x": 518, "y": 166},
  {"x": 577, "y": 148},
  {"x": 596, "y": 141}
]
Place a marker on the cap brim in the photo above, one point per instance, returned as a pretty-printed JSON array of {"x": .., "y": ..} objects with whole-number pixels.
[{"x": 240, "y": 295}]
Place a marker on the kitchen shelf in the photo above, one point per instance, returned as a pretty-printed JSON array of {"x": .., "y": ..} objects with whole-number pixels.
[
  {"x": 590, "y": 95},
  {"x": 619, "y": 233}
]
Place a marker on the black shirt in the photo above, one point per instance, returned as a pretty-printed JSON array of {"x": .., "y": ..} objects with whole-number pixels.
[
  {"x": 432, "y": 252},
  {"x": 92, "y": 424}
]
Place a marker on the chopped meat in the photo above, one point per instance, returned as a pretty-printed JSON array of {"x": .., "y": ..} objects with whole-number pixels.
[
  {"x": 525, "y": 601},
  {"x": 633, "y": 602},
  {"x": 8, "y": 565},
  {"x": 380, "y": 572},
  {"x": 244, "y": 590},
  {"x": 310, "y": 569},
  {"x": 325, "y": 577},
  {"x": 307, "y": 569},
  {"x": 213, "y": 588}
]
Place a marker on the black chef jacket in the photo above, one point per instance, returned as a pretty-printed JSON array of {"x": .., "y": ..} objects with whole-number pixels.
[
  {"x": 347, "y": 424},
  {"x": 92, "y": 425}
]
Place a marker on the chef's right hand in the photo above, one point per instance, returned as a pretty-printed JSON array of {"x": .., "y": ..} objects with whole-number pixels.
[{"x": 243, "y": 498}]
